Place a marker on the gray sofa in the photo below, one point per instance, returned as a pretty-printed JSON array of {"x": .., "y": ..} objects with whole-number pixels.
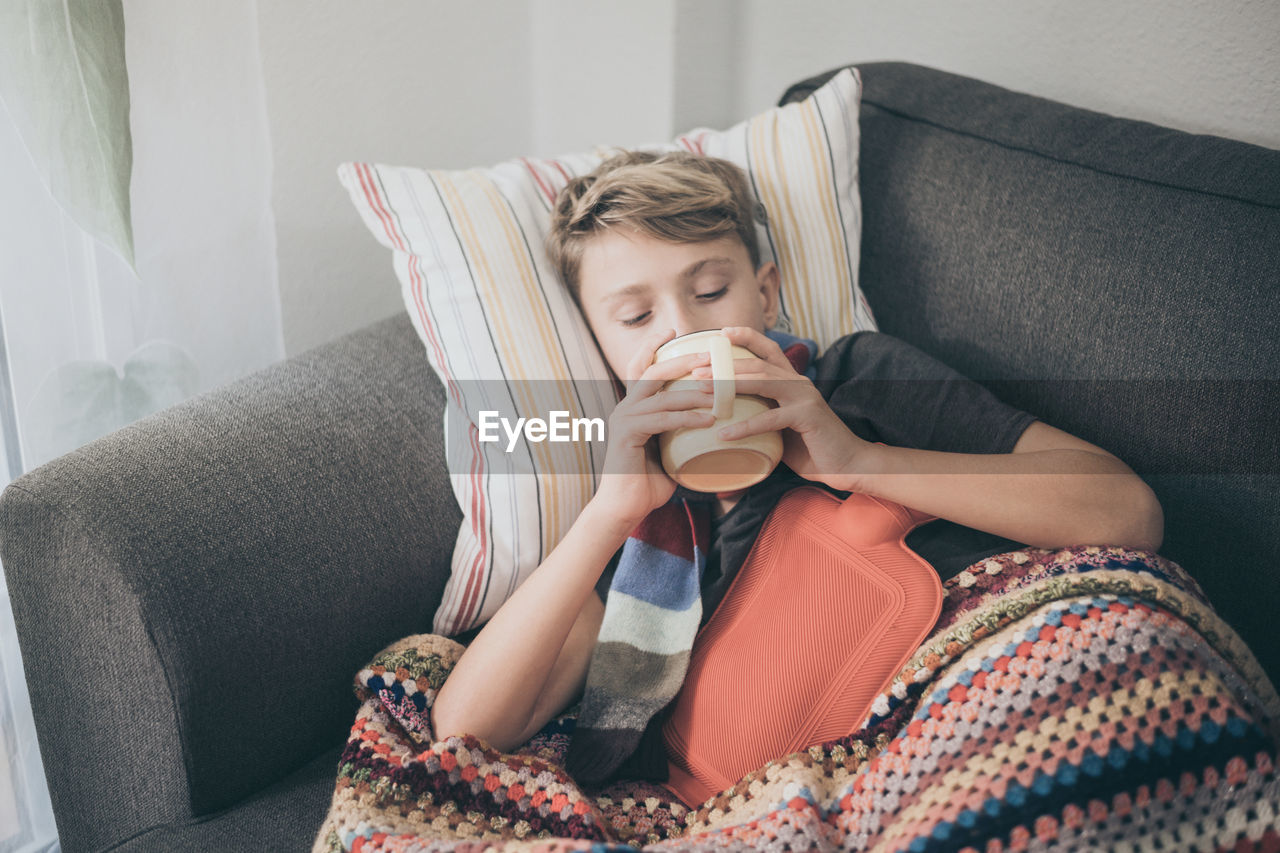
[{"x": 193, "y": 594}]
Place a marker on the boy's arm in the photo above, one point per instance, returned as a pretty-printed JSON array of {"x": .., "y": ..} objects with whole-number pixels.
[
  {"x": 1053, "y": 490},
  {"x": 530, "y": 660}
]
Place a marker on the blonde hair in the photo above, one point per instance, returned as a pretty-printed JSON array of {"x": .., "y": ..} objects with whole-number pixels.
[{"x": 677, "y": 196}]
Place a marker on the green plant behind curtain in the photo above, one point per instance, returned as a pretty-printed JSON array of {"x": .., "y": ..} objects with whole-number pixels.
[{"x": 64, "y": 82}]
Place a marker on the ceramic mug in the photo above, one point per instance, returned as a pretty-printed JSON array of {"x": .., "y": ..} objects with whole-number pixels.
[{"x": 697, "y": 458}]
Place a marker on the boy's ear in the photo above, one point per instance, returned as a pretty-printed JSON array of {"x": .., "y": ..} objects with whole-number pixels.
[{"x": 769, "y": 281}]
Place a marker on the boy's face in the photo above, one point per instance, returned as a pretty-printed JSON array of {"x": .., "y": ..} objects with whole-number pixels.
[{"x": 633, "y": 285}]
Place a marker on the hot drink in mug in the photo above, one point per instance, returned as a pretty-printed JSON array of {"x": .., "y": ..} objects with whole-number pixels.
[{"x": 696, "y": 457}]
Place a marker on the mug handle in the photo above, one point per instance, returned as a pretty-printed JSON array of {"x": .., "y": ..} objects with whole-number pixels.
[{"x": 722, "y": 376}]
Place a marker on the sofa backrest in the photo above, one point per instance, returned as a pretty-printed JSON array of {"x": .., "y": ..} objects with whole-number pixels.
[{"x": 1118, "y": 279}]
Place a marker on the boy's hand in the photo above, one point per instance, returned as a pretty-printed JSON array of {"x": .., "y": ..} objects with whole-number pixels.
[
  {"x": 634, "y": 482},
  {"x": 816, "y": 444}
]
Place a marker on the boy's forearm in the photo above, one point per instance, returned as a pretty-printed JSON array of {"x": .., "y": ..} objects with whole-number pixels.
[
  {"x": 1047, "y": 499},
  {"x": 494, "y": 688}
]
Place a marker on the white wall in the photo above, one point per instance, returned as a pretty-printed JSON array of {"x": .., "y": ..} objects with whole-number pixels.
[
  {"x": 454, "y": 84},
  {"x": 600, "y": 73},
  {"x": 440, "y": 84},
  {"x": 629, "y": 74},
  {"x": 1205, "y": 66}
]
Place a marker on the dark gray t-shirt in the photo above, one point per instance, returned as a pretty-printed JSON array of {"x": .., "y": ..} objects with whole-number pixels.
[{"x": 885, "y": 390}]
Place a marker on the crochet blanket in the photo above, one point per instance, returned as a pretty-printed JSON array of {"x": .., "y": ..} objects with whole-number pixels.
[{"x": 1083, "y": 698}]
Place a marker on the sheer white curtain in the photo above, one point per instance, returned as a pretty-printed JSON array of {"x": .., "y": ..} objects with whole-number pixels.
[{"x": 86, "y": 343}]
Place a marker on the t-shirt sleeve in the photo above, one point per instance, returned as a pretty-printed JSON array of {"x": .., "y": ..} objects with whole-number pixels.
[
  {"x": 887, "y": 390},
  {"x": 606, "y": 577}
]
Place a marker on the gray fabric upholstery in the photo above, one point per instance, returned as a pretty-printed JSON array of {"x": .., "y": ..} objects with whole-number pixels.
[
  {"x": 279, "y": 819},
  {"x": 195, "y": 593},
  {"x": 1118, "y": 279}
]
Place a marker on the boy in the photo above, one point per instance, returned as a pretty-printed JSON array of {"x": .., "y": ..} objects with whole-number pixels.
[{"x": 658, "y": 246}]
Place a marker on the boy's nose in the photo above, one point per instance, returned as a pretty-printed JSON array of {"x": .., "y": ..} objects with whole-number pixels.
[{"x": 684, "y": 324}]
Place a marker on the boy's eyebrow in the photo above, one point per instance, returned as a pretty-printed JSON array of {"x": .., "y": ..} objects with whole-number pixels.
[
  {"x": 696, "y": 267},
  {"x": 688, "y": 272}
]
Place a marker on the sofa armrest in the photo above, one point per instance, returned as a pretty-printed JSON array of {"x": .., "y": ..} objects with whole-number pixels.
[{"x": 194, "y": 593}]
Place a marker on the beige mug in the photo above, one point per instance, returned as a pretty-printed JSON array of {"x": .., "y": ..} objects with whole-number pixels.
[{"x": 697, "y": 458}]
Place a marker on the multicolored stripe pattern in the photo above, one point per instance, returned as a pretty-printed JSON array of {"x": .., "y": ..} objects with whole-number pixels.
[
  {"x": 1080, "y": 699},
  {"x": 502, "y": 333},
  {"x": 642, "y": 653}
]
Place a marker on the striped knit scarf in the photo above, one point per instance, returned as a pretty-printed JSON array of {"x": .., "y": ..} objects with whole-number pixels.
[{"x": 651, "y": 616}]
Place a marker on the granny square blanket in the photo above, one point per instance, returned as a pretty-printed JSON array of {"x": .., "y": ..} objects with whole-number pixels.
[{"x": 1083, "y": 698}]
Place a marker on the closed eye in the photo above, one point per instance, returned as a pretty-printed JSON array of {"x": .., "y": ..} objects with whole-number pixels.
[{"x": 706, "y": 297}]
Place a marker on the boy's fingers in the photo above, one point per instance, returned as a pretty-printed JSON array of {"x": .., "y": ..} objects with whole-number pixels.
[
  {"x": 782, "y": 390},
  {"x": 644, "y": 356},
  {"x": 759, "y": 343},
  {"x": 669, "y": 400},
  {"x": 764, "y": 422},
  {"x": 653, "y": 377},
  {"x": 744, "y": 367},
  {"x": 659, "y": 422},
  {"x": 638, "y": 428}
]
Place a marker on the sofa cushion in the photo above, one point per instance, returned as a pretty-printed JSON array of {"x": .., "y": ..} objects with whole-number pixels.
[
  {"x": 1118, "y": 279},
  {"x": 282, "y": 818}
]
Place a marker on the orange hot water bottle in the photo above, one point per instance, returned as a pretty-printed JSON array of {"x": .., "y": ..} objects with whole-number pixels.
[{"x": 828, "y": 606}]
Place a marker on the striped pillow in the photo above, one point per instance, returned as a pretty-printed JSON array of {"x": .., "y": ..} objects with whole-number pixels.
[{"x": 504, "y": 335}]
